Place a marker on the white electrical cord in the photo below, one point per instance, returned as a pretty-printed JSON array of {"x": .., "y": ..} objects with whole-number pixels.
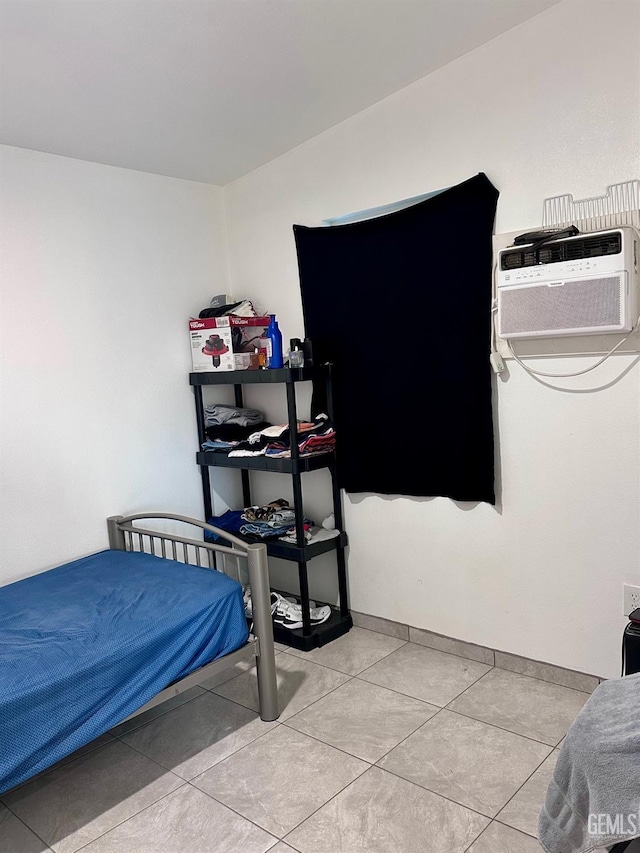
[
  {"x": 577, "y": 372},
  {"x": 497, "y": 363}
]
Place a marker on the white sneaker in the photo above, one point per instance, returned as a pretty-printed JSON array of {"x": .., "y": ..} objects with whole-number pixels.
[
  {"x": 276, "y": 598},
  {"x": 290, "y": 615}
]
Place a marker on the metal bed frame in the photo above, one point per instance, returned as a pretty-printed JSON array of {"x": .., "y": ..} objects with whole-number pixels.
[{"x": 124, "y": 535}]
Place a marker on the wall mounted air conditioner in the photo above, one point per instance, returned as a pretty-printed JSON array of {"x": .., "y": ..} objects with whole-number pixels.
[{"x": 582, "y": 285}]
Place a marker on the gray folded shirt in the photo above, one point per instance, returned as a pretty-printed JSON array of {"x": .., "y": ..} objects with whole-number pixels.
[{"x": 220, "y": 413}]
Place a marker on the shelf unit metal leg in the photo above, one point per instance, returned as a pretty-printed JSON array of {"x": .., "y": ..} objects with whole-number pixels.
[
  {"x": 202, "y": 436},
  {"x": 304, "y": 599},
  {"x": 244, "y": 475},
  {"x": 340, "y": 555},
  {"x": 298, "y": 506},
  {"x": 342, "y": 582}
]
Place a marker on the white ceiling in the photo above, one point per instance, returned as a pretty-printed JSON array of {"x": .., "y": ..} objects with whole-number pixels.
[{"x": 208, "y": 90}]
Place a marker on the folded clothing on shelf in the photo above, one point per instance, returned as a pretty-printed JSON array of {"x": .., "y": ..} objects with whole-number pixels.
[
  {"x": 225, "y": 437},
  {"x": 271, "y": 521},
  {"x": 231, "y": 521},
  {"x": 317, "y": 436},
  {"x": 219, "y": 446},
  {"x": 232, "y": 431},
  {"x": 286, "y": 532},
  {"x": 266, "y": 512},
  {"x": 221, "y": 413},
  {"x": 275, "y": 520}
]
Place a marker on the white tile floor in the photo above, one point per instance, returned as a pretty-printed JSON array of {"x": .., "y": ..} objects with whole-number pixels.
[{"x": 382, "y": 746}]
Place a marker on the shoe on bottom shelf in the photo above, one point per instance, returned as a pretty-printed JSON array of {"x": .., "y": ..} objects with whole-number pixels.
[
  {"x": 248, "y": 602},
  {"x": 276, "y": 598},
  {"x": 289, "y": 614}
]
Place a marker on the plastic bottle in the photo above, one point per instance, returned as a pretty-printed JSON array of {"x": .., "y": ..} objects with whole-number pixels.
[
  {"x": 307, "y": 348},
  {"x": 296, "y": 355},
  {"x": 274, "y": 343}
]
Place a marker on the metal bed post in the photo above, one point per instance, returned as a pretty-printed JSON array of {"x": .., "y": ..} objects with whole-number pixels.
[
  {"x": 116, "y": 535},
  {"x": 261, "y": 603}
]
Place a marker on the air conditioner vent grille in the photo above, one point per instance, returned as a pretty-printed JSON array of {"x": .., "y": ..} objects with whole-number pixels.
[
  {"x": 582, "y": 248},
  {"x": 571, "y": 305}
]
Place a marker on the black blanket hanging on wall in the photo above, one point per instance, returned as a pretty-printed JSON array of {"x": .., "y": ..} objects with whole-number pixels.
[{"x": 401, "y": 304}]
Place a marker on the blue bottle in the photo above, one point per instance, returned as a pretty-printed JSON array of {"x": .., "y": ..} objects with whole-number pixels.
[{"x": 274, "y": 343}]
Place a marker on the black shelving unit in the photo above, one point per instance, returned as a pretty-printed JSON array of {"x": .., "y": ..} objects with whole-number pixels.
[{"x": 300, "y": 552}]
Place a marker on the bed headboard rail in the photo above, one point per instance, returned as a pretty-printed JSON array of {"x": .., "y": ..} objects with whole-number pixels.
[{"x": 124, "y": 535}]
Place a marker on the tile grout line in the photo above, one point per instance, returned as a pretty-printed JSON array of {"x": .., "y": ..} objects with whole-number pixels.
[
  {"x": 478, "y": 837},
  {"x": 441, "y": 707},
  {"x": 57, "y": 766},
  {"x": 235, "y": 811},
  {"x": 516, "y": 794},
  {"x": 152, "y": 719},
  {"x": 328, "y": 693},
  {"x": 549, "y": 746},
  {"x": 469, "y": 717},
  {"x": 215, "y": 764},
  {"x": 545, "y": 680},
  {"x": 344, "y": 787},
  {"x": 372, "y": 763},
  {"x": 469, "y": 687},
  {"x": 514, "y": 828},
  {"x": 435, "y": 793},
  {"x": 455, "y": 654},
  {"x": 315, "y": 811},
  {"x": 332, "y": 690},
  {"x": 130, "y": 817},
  {"x": 324, "y": 743},
  {"x": 17, "y": 817},
  {"x": 506, "y": 826},
  {"x": 407, "y": 738},
  {"x": 353, "y": 675}
]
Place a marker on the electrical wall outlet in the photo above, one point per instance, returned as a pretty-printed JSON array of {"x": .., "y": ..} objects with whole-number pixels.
[{"x": 631, "y": 598}]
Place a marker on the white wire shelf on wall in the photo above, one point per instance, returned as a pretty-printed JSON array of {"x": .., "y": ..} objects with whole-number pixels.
[{"x": 620, "y": 205}]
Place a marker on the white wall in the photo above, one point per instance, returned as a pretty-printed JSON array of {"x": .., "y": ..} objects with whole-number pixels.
[
  {"x": 548, "y": 108},
  {"x": 101, "y": 268}
]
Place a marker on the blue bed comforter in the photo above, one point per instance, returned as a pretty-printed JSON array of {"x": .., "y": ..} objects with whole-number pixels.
[{"x": 86, "y": 644}]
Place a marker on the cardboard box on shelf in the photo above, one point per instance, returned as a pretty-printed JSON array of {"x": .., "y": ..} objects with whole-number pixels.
[{"x": 226, "y": 343}]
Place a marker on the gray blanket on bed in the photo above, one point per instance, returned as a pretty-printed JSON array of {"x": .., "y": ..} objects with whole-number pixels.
[{"x": 593, "y": 800}]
